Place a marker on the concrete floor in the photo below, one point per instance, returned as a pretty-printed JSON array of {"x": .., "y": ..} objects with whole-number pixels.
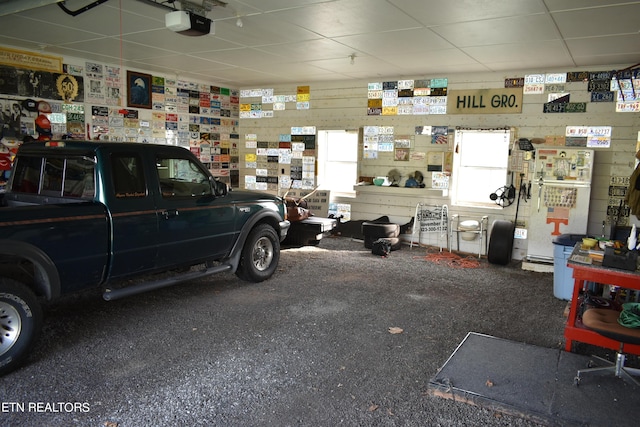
[{"x": 311, "y": 346}]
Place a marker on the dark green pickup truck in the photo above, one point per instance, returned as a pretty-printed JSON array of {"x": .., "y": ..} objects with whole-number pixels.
[{"x": 81, "y": 215}]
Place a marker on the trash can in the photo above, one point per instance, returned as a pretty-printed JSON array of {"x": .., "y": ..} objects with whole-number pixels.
[{"x": 563, "y": 274}]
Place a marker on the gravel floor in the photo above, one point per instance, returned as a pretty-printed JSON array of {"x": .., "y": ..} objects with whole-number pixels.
[{"x": 310, "y": 347}]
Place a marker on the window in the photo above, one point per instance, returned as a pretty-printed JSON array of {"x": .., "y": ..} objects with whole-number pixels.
[
  {"x": 128, "y": 177},
  {"x": 68, "y": 177},
  {"x": 26, "y": 175},
  {"x": 338, "y": 160},
  {"x": 79, "y": 178},
  {"x": 181, "y": 178},
  {"x": 52, "y": 178},
  {"x": 480, "y": 162}
]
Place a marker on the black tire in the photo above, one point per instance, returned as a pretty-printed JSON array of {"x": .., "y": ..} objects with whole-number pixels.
[
  {"x": 372, "y": 231},
  {"x": 501, "y": 242},
  {"x": 20, "y": 323},
  {"x": 260, "y": 254}
]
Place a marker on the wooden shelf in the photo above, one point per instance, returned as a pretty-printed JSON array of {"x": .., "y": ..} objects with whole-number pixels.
[{"x": 401, "y": 191}]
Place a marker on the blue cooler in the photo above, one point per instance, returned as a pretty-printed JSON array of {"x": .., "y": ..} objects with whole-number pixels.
[{"x": 563, "y": 274}]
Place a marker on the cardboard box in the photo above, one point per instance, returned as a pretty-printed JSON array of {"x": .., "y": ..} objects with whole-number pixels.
[{"x": 318, "y": 202}]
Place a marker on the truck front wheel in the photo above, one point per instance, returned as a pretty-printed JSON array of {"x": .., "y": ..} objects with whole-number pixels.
[
  {"x": 260, "y": 254},
  {"x": 20, "y": 323}
]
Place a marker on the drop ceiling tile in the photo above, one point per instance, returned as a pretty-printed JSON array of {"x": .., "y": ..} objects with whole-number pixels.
[
  {"x": 623, "y": 59},
  {"x": 112, "y": 47},
  {"x": 100, "y": 20},
  {"x": 556, "y": 5},
  {"x": 541, "y": 63},
  {"x": 520, "y": 52},
  {"x": 309, "y": 50},
  {"x": 174, "y": 42},
  {"x": 414, "y": 41},
  {"x": 368, "y": 65},
  {"x": 348, "y": 17},
  {"x": 21, "y": 28},
  {"x": 295, "y": 68},
  {"x": 610, "y": 45},
  {"x": 272, "y": 5},
  {"x": 184, "y": 62},
  {"x": 434, "y": 13},
  {"x": 499, "y": 31},
  {"x": 599, "y": 21},
  {"x": 245, "y": 75},
  {"x": 434, "y": 61},
  {"x": 243, "y": 57},
  {"x": 262, "y": 30}
]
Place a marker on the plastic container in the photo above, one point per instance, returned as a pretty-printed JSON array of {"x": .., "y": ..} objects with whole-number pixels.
[
  {"x": 468, "y": 229},
  {"x": 563, "y": 274}
]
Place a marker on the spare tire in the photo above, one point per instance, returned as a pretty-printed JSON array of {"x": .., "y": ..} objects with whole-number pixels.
[{"x": 501, "y": 242}]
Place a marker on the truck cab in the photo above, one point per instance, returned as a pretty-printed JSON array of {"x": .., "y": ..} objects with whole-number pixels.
[{"x": 85, "y": 215}]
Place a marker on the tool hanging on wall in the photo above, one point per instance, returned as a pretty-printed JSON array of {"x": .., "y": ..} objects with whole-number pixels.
[
  {"x": 504, "y": 196},
  {"x": 512, "y": 189},
  {"x": 540, "y": 184},
  {"x": 522, "y": 193}
]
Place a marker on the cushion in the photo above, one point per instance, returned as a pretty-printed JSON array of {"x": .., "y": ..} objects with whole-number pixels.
[{"x": 605, "y": 322}]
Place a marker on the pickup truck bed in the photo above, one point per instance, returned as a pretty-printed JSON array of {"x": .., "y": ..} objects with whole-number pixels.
[{"x": 308, "y": 231}]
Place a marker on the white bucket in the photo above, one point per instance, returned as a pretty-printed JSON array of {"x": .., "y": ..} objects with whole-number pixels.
[{"x": 466, "y": 229}]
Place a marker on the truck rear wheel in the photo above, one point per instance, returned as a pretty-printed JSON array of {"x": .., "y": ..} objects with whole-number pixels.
[
  {"x": 20, "y": 323},
  {"x": 260, "y": 254}
]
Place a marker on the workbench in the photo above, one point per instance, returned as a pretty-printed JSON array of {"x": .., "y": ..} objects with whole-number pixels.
[{"x": 594, "y": 272}]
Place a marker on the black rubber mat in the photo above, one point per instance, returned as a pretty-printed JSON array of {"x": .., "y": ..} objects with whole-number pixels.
[{"x": 535, "y": 383}]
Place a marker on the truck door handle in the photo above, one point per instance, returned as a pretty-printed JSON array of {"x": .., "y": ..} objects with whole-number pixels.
[{"x": 170, "y": 213}]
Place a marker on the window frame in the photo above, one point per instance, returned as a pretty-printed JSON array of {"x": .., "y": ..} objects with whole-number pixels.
[
  {"x": 497, "y": 172},
  {"x": 140, "y": 183},
  {"x": 61, "y": 186},
  {"x": 173, "y": 183},
  {"x": 325, "y": 153}
]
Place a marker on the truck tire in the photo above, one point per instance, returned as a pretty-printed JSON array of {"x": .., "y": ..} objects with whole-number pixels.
[
  {"x": 20, "y": 323},
  {"x": 501, "y": 242},
  {"x": 260, "y": 254}
]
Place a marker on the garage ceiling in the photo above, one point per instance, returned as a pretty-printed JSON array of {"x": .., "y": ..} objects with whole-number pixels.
[{"x": 304, "y": 41}]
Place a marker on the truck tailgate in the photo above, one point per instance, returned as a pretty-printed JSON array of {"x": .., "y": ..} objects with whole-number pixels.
[
  {"x": 319, "y": 224},
  {"x": 308, "y": 231}
]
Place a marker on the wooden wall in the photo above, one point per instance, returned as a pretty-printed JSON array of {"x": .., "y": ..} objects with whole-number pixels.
[{"x": 343, "y": 105}]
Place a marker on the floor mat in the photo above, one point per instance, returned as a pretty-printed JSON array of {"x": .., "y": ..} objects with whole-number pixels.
[{"x": 535, "y": 383}]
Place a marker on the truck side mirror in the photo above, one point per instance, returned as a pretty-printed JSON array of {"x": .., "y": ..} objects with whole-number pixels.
[{"x": 219, "y": 187}]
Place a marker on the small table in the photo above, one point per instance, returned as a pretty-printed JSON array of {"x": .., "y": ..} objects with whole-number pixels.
[{"x": 595, "y": 272}]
